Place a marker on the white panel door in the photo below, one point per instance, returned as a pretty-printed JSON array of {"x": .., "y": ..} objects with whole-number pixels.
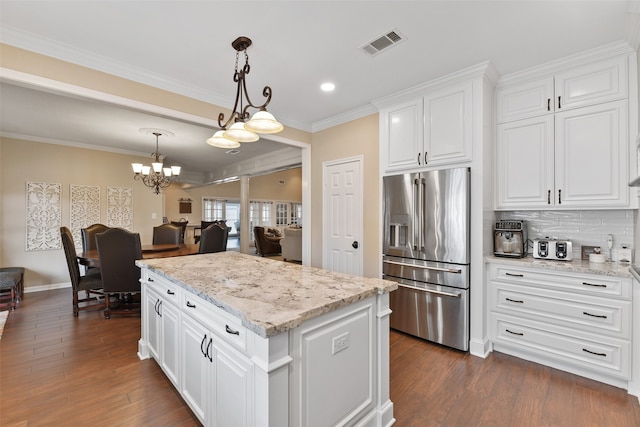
[{"x": 342, "y": 216}]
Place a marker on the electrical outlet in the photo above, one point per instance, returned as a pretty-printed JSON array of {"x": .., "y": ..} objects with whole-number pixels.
[
  {"x": 154, "y": 216},
  {"x": 341, "y": 342}
]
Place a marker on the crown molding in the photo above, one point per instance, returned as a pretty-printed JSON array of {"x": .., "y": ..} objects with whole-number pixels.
[
  {"x": 484, "y": 69},
  {"x": 348, "y": 116},
  {"x": 575, "y": 60}
]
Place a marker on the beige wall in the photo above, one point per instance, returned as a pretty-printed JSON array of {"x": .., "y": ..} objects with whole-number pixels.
[
  {"x": 24, "y": 161},
  {"x": 358, "y": 137},
  {"x": 264, "y": 187}
]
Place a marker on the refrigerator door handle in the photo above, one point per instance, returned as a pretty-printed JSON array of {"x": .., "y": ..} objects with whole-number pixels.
[
  {"x": 422, "y": 223},
  {"x": 416, "y": 215},
  {"x": 431, "y": 291},
  {"x": 446, "y": 270}
]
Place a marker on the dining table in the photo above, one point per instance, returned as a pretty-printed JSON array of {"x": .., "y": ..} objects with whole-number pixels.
[{"x": 91, "y": 258}]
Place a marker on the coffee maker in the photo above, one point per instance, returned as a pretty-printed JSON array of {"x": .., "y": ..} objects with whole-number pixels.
[{"x": 510, "y": 238}]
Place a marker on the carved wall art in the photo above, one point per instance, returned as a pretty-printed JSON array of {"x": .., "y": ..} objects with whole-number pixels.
[{"x": 43, "y": 216}]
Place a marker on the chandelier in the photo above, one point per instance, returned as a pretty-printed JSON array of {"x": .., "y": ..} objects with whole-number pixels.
[
  {"x": 238, "y": 128},
  {"x": 155, "y": 176}
]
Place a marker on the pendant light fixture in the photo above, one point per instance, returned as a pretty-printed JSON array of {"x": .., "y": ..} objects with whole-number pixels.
[
  {"x": 156, "y": 176},
  {"x": 239, "y": 128}
]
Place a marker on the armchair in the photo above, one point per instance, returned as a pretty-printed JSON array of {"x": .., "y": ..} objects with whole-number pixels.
[
  {"x": 292, "y": 244},
  {"x": 266, "y": 245}
]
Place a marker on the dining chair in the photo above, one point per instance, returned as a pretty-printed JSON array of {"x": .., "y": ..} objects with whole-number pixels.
[
  {"x": 183, "y": 229},
  {"x": 214, "y": 239},
  {"x": 89, "y": 238},
  {"x": 203, "y": 226},
  {"x": 118, "y": 250},
  {"x": 167, "y": 234},
  {"x": 90, "y": 283}
]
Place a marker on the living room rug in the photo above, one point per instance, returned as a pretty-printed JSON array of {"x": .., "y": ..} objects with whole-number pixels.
[{"x": 3, "y": 320}]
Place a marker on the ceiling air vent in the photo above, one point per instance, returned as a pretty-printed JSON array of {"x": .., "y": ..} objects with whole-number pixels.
[{"x": 385, "y": 41}]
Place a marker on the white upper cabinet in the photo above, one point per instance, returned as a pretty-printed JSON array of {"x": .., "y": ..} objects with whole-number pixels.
[
  {"x": 529, "y": 99},
  {"x": 525, "y": 163},
  {"x": 401, "y": 135},
  {"x": 592, "y": 163},
  {"x": 574, "y": 159},
  {"x": 591, "y": 84},
  {"x": 562, "y": 141},
  {"x": 430, "y": 131},
  {"x": 448, "y": 125}
]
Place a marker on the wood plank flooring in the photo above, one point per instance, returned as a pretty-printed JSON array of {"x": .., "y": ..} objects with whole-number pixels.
[{"x": 59, "y": 370}]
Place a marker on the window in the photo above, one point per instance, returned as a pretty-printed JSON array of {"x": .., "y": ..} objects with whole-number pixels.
[
  {"x": 296, "y": 213},
  {"x": 213, "y": 209},
  {"x": 282, "y": 213}
]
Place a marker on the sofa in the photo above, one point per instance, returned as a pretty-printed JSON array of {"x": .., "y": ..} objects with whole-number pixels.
[{"x": 292, "y": 244}]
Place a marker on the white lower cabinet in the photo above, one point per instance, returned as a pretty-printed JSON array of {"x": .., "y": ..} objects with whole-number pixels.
[
  {"x": 580, "y": 323},
  {"x": 216, "y": 380},
  {"x": 330, "y": 370},
  {"x": 162, "y": 319}
]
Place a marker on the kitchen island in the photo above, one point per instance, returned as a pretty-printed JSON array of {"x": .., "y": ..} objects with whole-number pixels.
[{"x": 249, "y": 341}]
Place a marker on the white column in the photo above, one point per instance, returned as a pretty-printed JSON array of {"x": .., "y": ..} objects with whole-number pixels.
[{"x": 244, "y": 215}]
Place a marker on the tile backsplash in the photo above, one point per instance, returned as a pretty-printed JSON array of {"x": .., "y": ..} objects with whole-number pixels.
[{"x": 581, "y": 227}]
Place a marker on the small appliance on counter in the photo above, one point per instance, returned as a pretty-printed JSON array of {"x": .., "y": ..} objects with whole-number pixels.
[
  {"x": 510, "y": 238},
  {"x": 561, "y": 250}
]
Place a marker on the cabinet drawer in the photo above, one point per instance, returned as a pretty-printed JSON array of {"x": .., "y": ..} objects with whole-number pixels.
[
  {"x": 167, "y": 290},
  {"x": 223, "y": 324},
  {"x": 605, "y": 355},
  {"x": 587, "y": 284},
  {"x": 587, "y": 313}
]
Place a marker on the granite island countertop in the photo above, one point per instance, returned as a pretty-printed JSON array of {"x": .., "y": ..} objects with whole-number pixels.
[
  {"x": 576, "y": 265},
  {"x": 270, "y": 297}
]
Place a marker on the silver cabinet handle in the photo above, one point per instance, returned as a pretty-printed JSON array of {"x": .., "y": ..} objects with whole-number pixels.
[
  {"x": 444, "y": 294},
  {"x": 445, "y": 270}
]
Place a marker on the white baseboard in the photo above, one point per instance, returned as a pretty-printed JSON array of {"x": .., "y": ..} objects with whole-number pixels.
[{"x": 46, "y": 287}]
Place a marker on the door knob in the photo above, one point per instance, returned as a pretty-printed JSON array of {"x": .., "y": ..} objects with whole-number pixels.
[{"x": 355, "y": 245}]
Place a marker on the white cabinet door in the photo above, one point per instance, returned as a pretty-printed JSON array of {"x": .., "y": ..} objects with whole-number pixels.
[
  {"x": 170, "y": 341},
  {"x": 196, "y": 378},
  {"x": 524, "y": 163},
  {"x": 525, "y": 100},
  {"x": 401, "y": 135},
  {"x": 152, "y": 322},
  {"x": 448, "y": 125},
  {"x": 591, "y": 84},
  {"x": 591, "y": 156},
  {"x": 233, "y": 387}
]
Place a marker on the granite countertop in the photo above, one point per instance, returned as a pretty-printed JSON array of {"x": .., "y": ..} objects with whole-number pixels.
[
  {"x": 269, "y": 296},
  {"x": 576, "y": 265}
]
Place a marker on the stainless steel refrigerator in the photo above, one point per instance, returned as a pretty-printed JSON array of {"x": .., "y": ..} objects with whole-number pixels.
[{"x": 426, "y": 250}]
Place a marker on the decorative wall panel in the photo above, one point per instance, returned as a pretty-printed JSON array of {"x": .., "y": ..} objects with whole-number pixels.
[
  {"x": 43, "y": 216},
  {"x": 85, "y": 209},
  {"x": 120, "y": 207}
]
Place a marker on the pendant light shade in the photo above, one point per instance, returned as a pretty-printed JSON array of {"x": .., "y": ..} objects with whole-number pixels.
[
  {"x": 238, "y": 132},
  {"x": 219, "y": 140},
  {"x": 264, "y": 122}
]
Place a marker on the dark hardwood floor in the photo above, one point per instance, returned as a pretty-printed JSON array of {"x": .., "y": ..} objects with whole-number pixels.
[{"x": 59, "y": 370}]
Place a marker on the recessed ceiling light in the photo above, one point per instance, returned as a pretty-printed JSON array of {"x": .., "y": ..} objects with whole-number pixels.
[{"x": 327, "y": 87}]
